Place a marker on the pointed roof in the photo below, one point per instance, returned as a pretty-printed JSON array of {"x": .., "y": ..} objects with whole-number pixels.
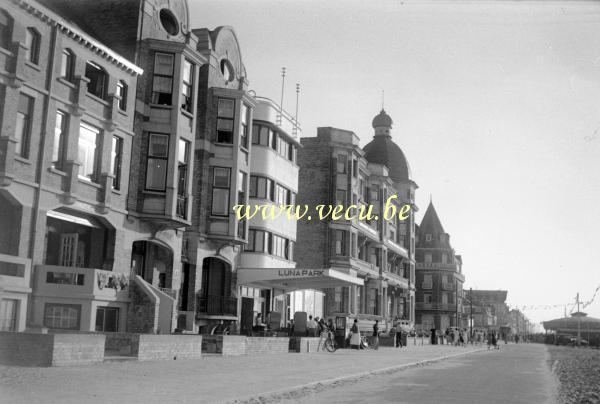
[{"x": 432, "y": 225}]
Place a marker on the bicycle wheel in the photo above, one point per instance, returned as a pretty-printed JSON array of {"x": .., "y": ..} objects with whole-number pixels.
[{"x": 329, "y": 345}]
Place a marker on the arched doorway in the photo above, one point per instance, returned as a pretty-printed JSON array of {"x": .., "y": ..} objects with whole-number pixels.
[{"x": 153, "y": 262}]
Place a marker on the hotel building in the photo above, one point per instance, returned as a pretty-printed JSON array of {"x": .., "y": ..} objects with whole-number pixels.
[{"x": 376, "y": 256}]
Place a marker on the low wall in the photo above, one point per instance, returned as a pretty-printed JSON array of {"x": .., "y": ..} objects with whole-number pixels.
[
  {"x": 25, "y": 349},
  {"x": 231, "y": 345},
  {"x": 304, "y": 344}
]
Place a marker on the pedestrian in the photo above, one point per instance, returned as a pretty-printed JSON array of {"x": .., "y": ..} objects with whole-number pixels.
[
  {"x": 311, "y": 327},
  {"x": 461, "y": 338},
  {"x": 355, "y": 336},
  {"x": 375, "y": 342},
  {"x": 495, "y": 341}
]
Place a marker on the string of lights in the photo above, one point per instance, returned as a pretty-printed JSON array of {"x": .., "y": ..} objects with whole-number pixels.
[{"x": 572, "y": 306}]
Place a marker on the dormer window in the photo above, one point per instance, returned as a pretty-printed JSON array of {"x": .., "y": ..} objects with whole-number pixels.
[{"x": 428, "y": 237}]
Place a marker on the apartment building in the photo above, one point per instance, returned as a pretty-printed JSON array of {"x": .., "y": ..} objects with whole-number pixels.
[
  {"x": 377, "y": 256},
  {"x": 439, "y": 276}
]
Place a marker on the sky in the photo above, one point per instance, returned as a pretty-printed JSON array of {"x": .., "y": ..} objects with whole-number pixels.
[{"x": 496, "y": 105}]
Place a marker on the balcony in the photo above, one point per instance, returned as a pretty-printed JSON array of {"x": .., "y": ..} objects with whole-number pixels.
[
  {"x": 364, "y": 267},
  {"x": 426, "y": 285},
  {"x": 81, "y": 283},
  {"x": 217, "y": 305},
  {"x": 15, "y": 273},
  {"x": 398, "y": 279}
]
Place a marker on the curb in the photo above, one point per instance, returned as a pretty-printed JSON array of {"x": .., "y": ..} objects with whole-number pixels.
[{"x": 296, "y": 392}]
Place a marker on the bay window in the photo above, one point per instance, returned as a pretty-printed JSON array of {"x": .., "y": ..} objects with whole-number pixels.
[
  {"x": 187, "y": 86},
  {"x": 58, "y": 147}
]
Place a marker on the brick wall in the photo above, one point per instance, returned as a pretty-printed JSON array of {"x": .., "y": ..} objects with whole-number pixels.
[
  {"x": 313, "y": 189},
  {"x": 304, "y": 345},
  {"x": 25, "y": 349},
  {"x": 232, "y": 345},
  {"x": 167, "y": 347},
  {"x": 266, "y": 345}
]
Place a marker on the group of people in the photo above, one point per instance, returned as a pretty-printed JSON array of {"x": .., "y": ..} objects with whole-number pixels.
[{"x": 455, "y": 337}]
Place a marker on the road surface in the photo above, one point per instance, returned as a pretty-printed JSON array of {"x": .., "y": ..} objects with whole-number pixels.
[{"x": 514, "y": 374}]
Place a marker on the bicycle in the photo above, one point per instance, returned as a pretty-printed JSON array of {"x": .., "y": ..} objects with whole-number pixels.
[{"x": 329, "y": 344}]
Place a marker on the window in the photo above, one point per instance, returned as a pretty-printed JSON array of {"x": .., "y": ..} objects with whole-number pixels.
[
  {"x": 292, "y": 153},
  {"x": 98, "y": 80},
  {"x": 262, "y": 188},
  {"x": 428, "y": 258},
  {"x": 444, "y": 258},
  {"x": 373, "y": 301},
  {"x": 162, "y": 81},
  {"x": 67, "y": 64},
  {"x": 427, "y": 298},
  {"x": 340, "y": 197},
  {"x": 88, "y": 141},
  {"x": 261, "y": 135},
  {"x": 63, "y": 316},
  {"x": 374, "y": 194},
  {"x": 245, "y": 117},
  {"x": 32, "y": 42},
  {"x": 168, "y": 21},
  {"x": 122, "y": 93},
  {"x": 183, "y": 158},
  {"x": 256, "y": 240},
  {"x": 225, "y": 114},
  {"x": 5, "y": 29},
  {"x": 23, "y": 126},
  {"x": 116, "y": 157},
  {"x": 107, "y": 319},
  {"x": 428, "y": 237},
  {"x": 355, "y": 168},
  {"x": 340, "y": 242},
  {"x": 341, "y": 163},
  {"x": 58, "y": 148},
  {"x": 354, "y": 245},
  {"x": 242, "y": 188},
  {"x": 220, "y": 192},
  {"x": 187, "y": 86},
  {"x": 158, "y": 158},
  {"x": 281, "y": 195}
]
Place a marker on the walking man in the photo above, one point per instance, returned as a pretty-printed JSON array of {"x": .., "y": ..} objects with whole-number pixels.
[{"x": 376, "y": 335}]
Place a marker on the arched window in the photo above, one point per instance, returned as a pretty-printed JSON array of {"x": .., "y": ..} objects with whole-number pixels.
[
  {"x": 67, "y": 64},
  {"x": 122, "y": 92},
  {"x": 5, "y": 29},
  {"x": 98, "y": 80},
  {"x": 32, "y": 41}
]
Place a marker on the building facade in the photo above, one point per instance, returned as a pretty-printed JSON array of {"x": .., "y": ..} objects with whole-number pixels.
[
  {"x": 439, "y": 276},
  {"x": 335, "y": 171}
]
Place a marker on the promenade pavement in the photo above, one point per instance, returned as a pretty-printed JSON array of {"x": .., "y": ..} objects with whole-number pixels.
[{"x": 213, "y": 378}]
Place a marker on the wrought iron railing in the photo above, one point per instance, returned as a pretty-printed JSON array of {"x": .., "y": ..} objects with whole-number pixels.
[{"x": 217, "y": 305}]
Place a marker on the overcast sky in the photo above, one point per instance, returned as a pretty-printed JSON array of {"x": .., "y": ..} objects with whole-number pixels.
[{"x": 495, "y": 104}]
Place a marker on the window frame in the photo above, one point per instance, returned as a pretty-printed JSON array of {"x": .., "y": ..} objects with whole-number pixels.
[
  {"x": 102, "y": 76},
  {"x": 33, "y": 41},
  {"x": 122, "y": 93},
  {"x": 58, "y": 145},
  {"x": 222, "y": 118},
  {"x": 187, "y": 86},
  {"x": 244, "y": 120},
  {"x": 76, "y": 307},
  {"x": 116, "y": 161},
  {"x": 5, "y": 29},
  {"x": 67, "y": 64},
  {"x": 92, "y": 176},
  {"x": 157, "y": 157},
  {"x": 156, "y": 96},
  {"x": 24, "y": 125},
  {"x": 226, "y": 189}
]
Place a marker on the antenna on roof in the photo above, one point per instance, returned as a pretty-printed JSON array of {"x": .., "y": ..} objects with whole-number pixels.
[
  {"x": 296, "y": 117},
  {"x": 279, "y": 118},
  {"x": 382, "y": 99}
]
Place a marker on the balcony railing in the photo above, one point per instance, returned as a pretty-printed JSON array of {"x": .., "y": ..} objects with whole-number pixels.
[
  {"x": 15, "y": 273},
  {"x": 217, "y": 305},
  {"x": 426, "y": 285},
  {"x": 54, "y": 280},
  {"x": 181, "y": 210}
]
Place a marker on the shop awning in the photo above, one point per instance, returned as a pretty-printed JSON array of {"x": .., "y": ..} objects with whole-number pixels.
[{"x": 295, "y": 278}]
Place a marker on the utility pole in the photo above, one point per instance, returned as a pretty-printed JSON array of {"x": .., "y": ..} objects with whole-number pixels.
[
  {"x": 578, "y": 322},
  {"x": 471, "y": 312}
]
